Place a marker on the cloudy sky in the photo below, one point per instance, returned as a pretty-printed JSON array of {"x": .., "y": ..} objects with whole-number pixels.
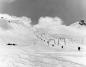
[{"x": 69, "y": 10}]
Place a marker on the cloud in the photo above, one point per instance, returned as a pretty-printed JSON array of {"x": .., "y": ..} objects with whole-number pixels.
[
  {"x": 53, "y": 25},
  {"x": 15, "y": 29},
  {"x": 48, "y": 22},
  {"x": 23, "y": 29}
]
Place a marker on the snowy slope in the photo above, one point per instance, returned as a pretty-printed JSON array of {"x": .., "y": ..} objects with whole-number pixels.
[{"x": 39, "y": 45}]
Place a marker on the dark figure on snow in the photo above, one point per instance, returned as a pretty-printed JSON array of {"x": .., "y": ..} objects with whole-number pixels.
[
  {"x": 82, "y": 22},
  {"x": 11, "y": 44}
]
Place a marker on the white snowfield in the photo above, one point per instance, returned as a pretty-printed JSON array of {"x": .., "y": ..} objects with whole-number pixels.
[{"x": 46, "y": 44}]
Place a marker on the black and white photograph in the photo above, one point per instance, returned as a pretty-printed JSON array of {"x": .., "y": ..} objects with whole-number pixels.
[{"x": 42, "y": 33}]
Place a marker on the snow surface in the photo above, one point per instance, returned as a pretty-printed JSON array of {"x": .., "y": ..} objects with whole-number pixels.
[{"x": 40, "y": 45}]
